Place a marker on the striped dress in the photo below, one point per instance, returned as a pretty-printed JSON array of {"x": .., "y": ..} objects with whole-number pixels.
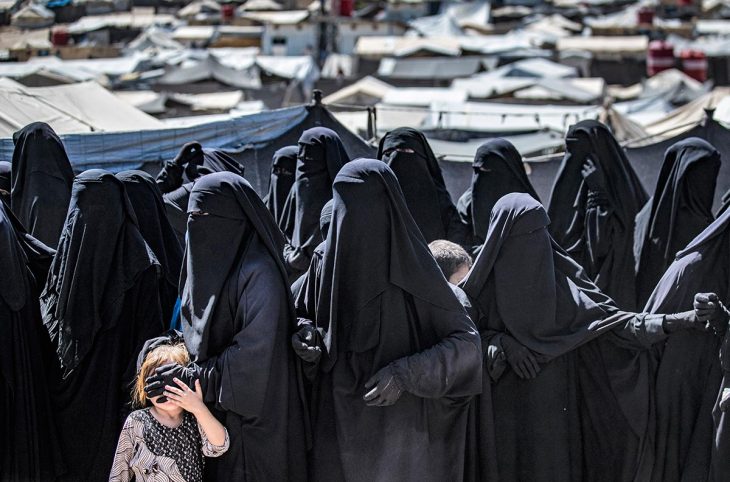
[{"x": 151, "y": 452}]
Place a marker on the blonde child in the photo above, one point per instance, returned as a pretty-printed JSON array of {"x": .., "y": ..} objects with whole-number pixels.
[{"x": 167, "y": 440}]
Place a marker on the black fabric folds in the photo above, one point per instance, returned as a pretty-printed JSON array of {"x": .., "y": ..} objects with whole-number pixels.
[
  {"x": 408, "y": 154},
  {"x": 679, "y": 210},
  {"x": 5, "y": 184},
  {"x": 321, "y": 156},
  {"x": 237, "y": 317},
  {"x": 383, "y": 301},
  {"x": 596, "y": 227},
  {"x": 99, "y": 305},
  {"x": 498, "y": 170},
  {"x": 149, "y": 209},
  {"x": 41, "y": 182},
  {"x": 283, "y": 167},
  {"x": 689, "y": 434},
  {"x": 29, "y": 448}
]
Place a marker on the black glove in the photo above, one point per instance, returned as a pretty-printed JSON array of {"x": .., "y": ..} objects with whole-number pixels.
[
  {"x": 520, "y": 358},
  {"x": 172, "y": 337},
  {"x": 686, "y": 320},
  {"x": 386, "y": 389},
  {"x": 191, "y": 153},
  {"x": 593, "y": 176},
  {"x": 155, "y": 384},
  {"x": 305, "y": 344},
  {"x": 709, "y": 309}
]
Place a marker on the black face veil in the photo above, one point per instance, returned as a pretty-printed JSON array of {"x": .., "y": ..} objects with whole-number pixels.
[
  {"x": 283, "y": 167},
  {"x": 41, "y": 182},
  {"x": 408, "y": 154}
]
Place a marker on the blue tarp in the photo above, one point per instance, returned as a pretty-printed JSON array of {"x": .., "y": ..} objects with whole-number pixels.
[{"x": 117, "y": 151}]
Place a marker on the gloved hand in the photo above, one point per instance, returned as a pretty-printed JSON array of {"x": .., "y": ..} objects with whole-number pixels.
[
  {"x": 164, "y": 375},
  {"x": 520, "y": 358},
  {"x": 709, "y": 309},
  {"x": 305, "y": 344},
  {"x": 593, "y": 176},
  {"x": 383, "y": 387},
  {"x": 191, "y": 153},
  {"x": 686, "y": 320}
]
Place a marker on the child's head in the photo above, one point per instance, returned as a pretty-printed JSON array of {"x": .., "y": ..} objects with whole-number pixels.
[
  {"x": 161, "y": 355},
  {"x": 453, "y": 260}
]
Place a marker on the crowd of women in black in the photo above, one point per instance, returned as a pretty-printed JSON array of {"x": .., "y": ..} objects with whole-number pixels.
[{"x": 588, "y": 340}]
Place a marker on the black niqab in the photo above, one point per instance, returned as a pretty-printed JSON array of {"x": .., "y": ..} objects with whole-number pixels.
[
  {"x": 421, "y": 180},
  {"x": 597, "y": 228},
  {"x": 41, "y": 182},
  {"x": 283, "y": 168},
  {"x": 29, "y": 449},
  {"x": 505, "y": 173},
  {"x": 689, "y": 375},
  {"x": 149, "y": 209},
  {"x": 237, "y": 317},
  {"x": 679, "y": 210},
  {"x": 384, "y": 301},
  {"x": 321, "y": 156}
]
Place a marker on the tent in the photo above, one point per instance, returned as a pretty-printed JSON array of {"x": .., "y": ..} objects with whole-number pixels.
[{"x": 250, "y": 139}]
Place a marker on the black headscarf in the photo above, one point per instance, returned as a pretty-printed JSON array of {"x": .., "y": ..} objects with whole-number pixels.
[
  {"x": 283, "y": 168},
  {"x": 149, "y": 209},
  {"x": 689, "y": 375},
  {"x": 100, "y": 256},
  {"x": 29, "y": 447},
  {"x": 543, "y": 297},
  {"x": 216, "y": 242},
  {"x": 421, "y": 180},
  {"x": 321, "y": 156},
  {"x": 679, "y": 210},
  {"x": 505, "y": 174},
  {"x": 383, "y": 301},
  {"x": 41, "y": 182},
  {"x": 5, "y": 184},
  {"x": 601, "y": 241}
]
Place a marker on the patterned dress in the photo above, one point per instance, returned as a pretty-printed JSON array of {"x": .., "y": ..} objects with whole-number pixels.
[{"x": 150, "y": 451}]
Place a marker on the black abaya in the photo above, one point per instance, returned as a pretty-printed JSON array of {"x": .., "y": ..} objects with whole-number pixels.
[
  {"x": 237, "y": 320},
  {"x": 408, "y": 154},
  {"x": 383, "y": 303},
  {"x": 528, "y": 289},
  {"x": 5, "y": 184},
  {"x": 29, "y": 448},
  {"x": 283, "y": 167},
  {"x": 321, "y": 156},
  {"x": 689, "y": 375},
  {"x": 99, "y": 305},
  {"x": 498, "y": 170},
  {"x": 679, "y": 210},
  {"x": 41, "y": 182},
  {"x": 149, "y": 209},
  {"x": 596, "y": 225}
]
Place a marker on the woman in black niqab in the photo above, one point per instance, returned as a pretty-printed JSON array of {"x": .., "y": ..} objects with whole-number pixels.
[
  {"x": 593, "y": 206},
  {"x": 321, "y": 156},
  {"x": 29, "y": 448},
  {"x": 100, "y": 304},
  {"x": 679, "y": 210},
  {"x": 283, "y": 167},
  {"x": 541, "y": 315},
  {"x": 41, "y": 182},
  {"x": 401, "y": 358},
  {"x": 408, "y": 154},
  {"x": 237, "y": 318},
  {"x": 149, "y": 209},
  {"x": 690, "y": 429},
  {"x": 498, "y": 170}
]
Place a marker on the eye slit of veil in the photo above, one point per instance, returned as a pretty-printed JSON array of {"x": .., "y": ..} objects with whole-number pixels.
[{"x": 198, "y": 213}]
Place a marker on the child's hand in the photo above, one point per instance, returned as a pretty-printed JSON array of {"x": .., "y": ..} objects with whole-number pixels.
[{"x": 185, "y": 398}]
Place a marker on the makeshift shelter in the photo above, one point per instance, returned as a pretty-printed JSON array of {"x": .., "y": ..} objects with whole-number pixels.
[{"x": 33, "y": 15}]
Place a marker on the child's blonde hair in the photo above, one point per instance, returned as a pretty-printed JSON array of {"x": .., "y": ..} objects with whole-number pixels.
[{"x": 159, "y": 356}]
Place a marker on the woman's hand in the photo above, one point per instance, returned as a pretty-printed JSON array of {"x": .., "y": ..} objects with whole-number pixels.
[{"x": 184, "y": 397}]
